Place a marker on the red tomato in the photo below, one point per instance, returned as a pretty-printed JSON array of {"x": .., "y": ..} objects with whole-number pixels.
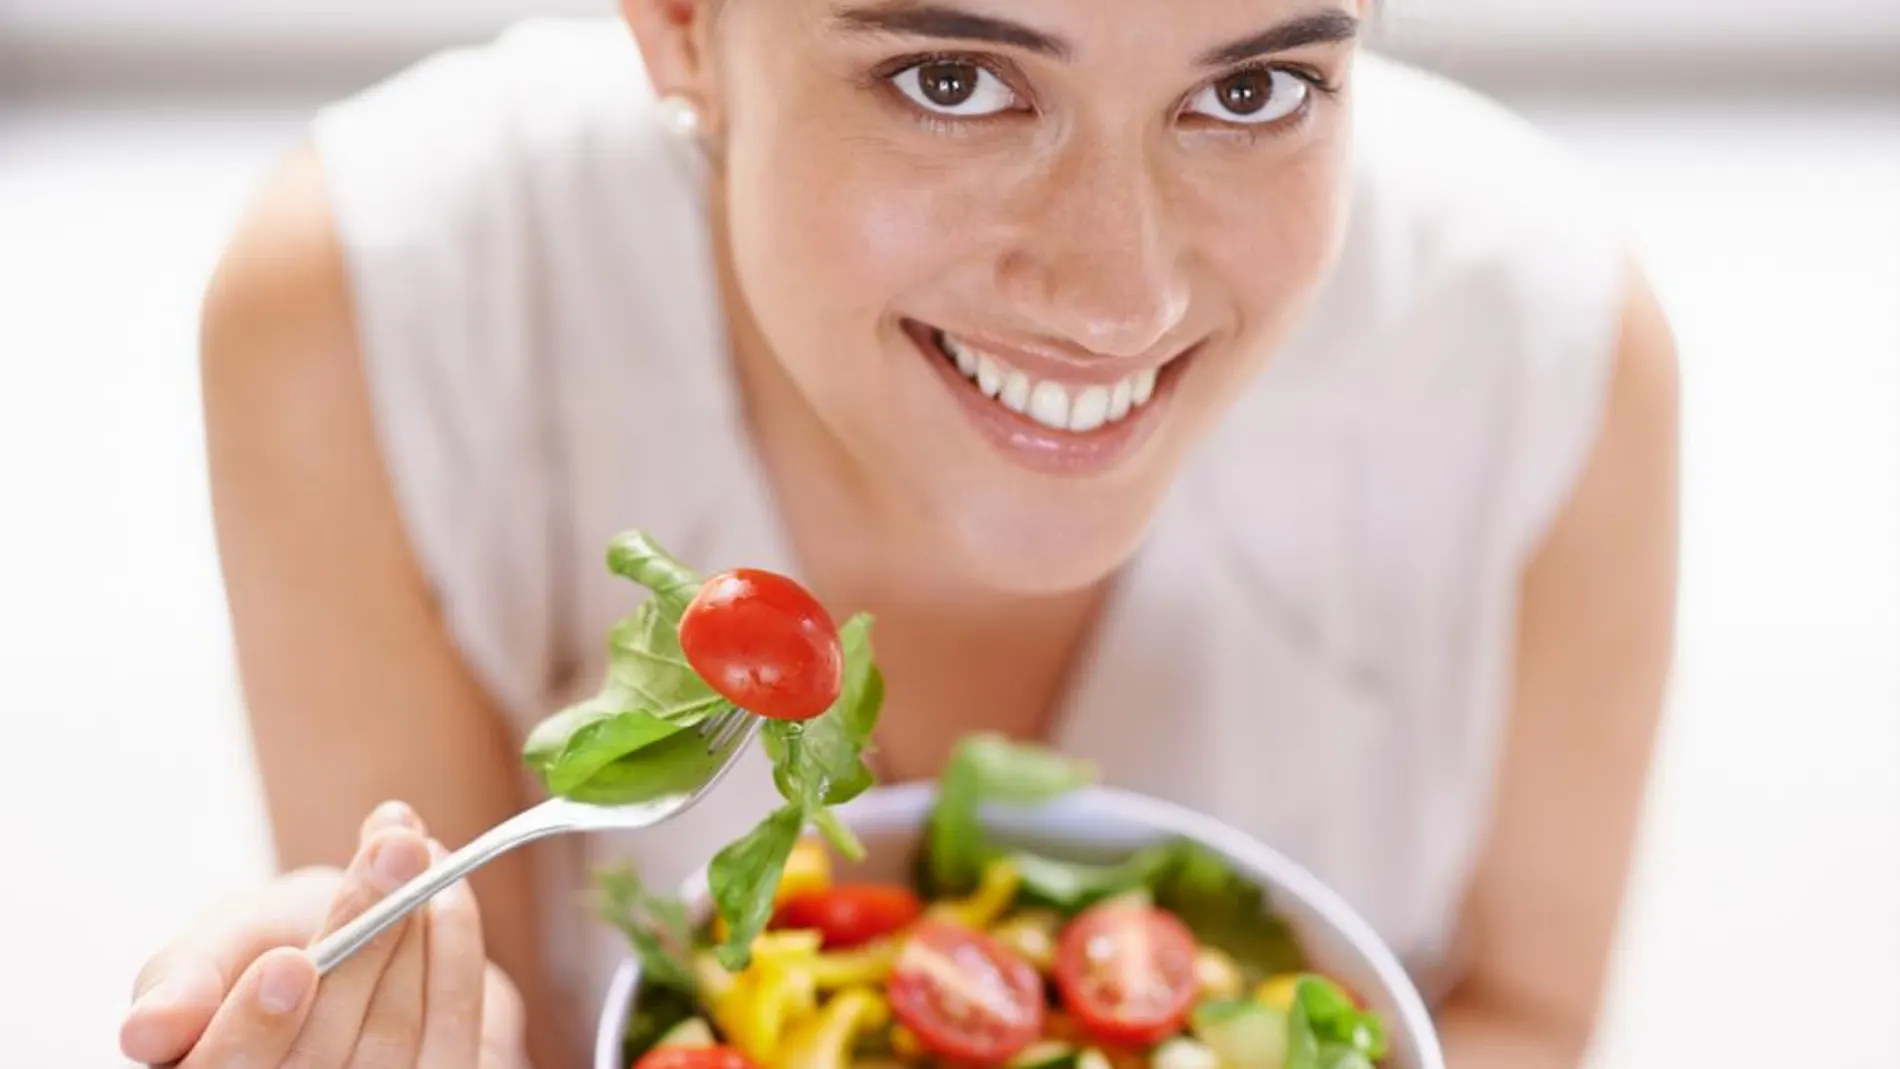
[
  {"x": 765, "y": 644},
  {"x": 967, "y": 997},
  {"x": 850, "y": 915},
  {"x": 694, "y": 1058},
  {"x": 1127, "y": 973}
]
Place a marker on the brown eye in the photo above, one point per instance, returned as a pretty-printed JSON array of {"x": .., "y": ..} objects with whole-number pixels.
[
  {"x": 1245, "y": 93},
  {"x": 951, "y": 87},
  {"x": 948, "y": 85},
  {"x": 1253, "y": 97}
]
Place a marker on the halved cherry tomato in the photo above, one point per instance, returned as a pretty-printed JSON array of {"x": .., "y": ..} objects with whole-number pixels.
[
  {"x": 851, "y": 914},
  {"x": 966, "y": 996},
  {"x": 1127, "y": 973},
  {"x": 694, "y": 1058},
  {"x": 765, "y": 644}
]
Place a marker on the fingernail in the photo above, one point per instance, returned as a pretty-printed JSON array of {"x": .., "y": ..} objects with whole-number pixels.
[
  {"x": 393, "y": 815},
  {"x": 163, "y": 996},
  {"x": 284, "y": 983},
  {"x": 398, "y": 859}
]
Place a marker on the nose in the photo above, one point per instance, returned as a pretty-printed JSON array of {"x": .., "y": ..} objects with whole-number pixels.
[{"x": 1096, "y": 261}]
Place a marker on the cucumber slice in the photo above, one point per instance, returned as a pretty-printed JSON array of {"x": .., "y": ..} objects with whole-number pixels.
[
  {"x": 1046, "y": 1054},
  {"x": 692, "y": 1032},
  {"x": 1242, "y": 1033}
]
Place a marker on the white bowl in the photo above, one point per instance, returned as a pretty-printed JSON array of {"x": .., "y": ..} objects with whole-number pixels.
[{"x": 1102, "y": 823}]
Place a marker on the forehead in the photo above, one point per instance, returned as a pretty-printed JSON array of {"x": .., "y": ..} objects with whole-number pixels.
[{"x": 1081, "y": 31}]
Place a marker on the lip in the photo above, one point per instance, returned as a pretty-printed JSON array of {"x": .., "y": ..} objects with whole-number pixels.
[
  {"x": 1044, "y": 449},
  {"x": 1059, "y": 365}
]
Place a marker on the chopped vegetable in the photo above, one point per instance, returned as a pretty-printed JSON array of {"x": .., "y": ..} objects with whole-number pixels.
[
  {"x": 1243, "y": 1034},
  {"x": 825, "y": 1041},
  {"x": 1032, "y": 933},
  {"x": 861, "y": 966},
  {"x": 1218, "y": 974},
  {"x": 966, "y": 996},
  {"x": 1048, "y": 1054},
  {"x": 853, "y": 914},
  {"x": 692, "y": 1032},
  {"x": 995, "y": 892},
  {"x": 1127, "y": 973},
  {"x": 1325, "y": 1029}
]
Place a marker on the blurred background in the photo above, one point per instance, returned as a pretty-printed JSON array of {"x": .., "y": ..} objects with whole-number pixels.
[{"x": 1752, "y": 146}]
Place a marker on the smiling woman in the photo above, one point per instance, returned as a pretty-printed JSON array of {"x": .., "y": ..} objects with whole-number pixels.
[{"x": 1273, "y": 425}]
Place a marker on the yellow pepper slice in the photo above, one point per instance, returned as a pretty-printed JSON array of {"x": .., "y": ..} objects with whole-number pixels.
[
  {"x": 825, "y": 1041},
  {"x": 1277, "y": 991},
  {"x": 995, "y": 892},
  {"x": 860, "y": 966}
]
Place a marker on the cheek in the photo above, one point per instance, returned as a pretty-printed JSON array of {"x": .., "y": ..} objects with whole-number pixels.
[{"x": 1275, "y": 246}]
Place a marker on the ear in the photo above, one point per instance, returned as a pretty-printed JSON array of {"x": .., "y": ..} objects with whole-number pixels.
[{"x": 675, "y": 38}]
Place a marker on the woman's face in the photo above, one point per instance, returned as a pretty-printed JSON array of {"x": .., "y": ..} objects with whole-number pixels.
[{"x": 1018, "y": 256}]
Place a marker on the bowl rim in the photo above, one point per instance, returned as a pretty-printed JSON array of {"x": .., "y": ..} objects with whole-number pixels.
[{"x": 904, "y": 806}]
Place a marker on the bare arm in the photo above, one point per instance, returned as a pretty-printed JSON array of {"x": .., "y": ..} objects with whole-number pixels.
[
  {"x": 1594, "y": 645},
  {"x": 355, "y": 693}
]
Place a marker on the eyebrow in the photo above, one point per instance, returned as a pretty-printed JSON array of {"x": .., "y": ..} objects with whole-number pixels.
[{"x": 912, "y": 18}]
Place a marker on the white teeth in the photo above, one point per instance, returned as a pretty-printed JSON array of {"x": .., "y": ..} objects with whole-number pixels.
[
  {"x": 1089, "y": 409},
  {"x": 1145, "y": 386},
  {"x": 966, "y": 360},
  {"x": 1016, "y": 392},
  {"x": 989, "y": 377},
  {"x": 1049, "y": 406},
  {"x": 1077, "y": 409}
]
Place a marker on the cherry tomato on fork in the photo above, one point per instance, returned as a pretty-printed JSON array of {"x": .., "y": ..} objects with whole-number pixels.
[
  {"x": 966, "y": 996},
  {"x": 765, "y": 644},
  {"x": 853, "y": 914},
  {"x": 1127, "y": 973}
]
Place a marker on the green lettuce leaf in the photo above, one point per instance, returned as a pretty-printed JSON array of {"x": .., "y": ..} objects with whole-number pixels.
[
  {"x": 1071, "y": 887},
  {"x": 649, "y": 696},
  {"x": 1325, "y": 1030},
  {"x": 988, "y": 768},
  {"x": 744, "y": 878}
]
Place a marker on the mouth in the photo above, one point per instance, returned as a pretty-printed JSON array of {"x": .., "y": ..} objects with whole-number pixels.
[{"x": 1049, "y": 414}]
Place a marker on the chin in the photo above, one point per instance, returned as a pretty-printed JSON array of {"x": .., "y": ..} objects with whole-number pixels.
[{"x": 1050, "y": 546}]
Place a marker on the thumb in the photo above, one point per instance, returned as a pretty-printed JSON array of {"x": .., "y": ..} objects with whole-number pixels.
[
  {"x": 180, "y": 990},
  {"x": 172, "y": 1007}
]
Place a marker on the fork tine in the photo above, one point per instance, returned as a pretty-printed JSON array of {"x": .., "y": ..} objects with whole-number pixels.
[{"x": 726, "y": 730}]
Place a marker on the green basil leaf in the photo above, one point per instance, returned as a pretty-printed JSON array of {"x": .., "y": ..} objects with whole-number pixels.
[
  {"x": 1302, "y": 1045},
  {"x": 635, "y": 555},
  {"x": 989, "y": 768},
  {"x": 596, "y": 750},
  {"x": 575, "y": 745},
  {"x": 656, "y": 926},
  {"x": 744, "y": 877}
]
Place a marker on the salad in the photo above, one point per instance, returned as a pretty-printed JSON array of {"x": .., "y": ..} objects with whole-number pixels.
[{"x": 990, "y": 956}]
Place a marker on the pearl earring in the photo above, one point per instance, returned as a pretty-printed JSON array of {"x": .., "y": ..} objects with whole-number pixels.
[{"x": 680, "y": 116}]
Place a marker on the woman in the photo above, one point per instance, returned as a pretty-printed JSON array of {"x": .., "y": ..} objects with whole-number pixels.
[{"x": 1272, "y": 424}]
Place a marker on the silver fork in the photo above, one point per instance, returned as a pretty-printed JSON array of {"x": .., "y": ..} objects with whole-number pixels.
[{"x": 686, "y": 781}]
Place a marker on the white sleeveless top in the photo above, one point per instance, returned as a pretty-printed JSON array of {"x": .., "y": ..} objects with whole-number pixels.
[{"x": 1314, "y": 642}]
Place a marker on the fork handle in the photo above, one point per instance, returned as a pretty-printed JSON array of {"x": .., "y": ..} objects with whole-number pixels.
[{"x": 548, "y": 818}]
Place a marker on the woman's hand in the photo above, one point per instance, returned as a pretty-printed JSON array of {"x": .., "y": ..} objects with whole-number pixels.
[{"x": 238, "y": 991}]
